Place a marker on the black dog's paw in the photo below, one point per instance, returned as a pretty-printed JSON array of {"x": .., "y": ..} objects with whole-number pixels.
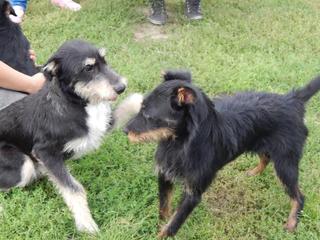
[{"x": 166, "y": 232}]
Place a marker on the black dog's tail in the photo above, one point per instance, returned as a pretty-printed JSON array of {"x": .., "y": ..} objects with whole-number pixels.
[{"x": 305, "y": 93}]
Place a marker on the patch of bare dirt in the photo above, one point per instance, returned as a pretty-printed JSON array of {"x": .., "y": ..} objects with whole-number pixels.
[
  {"x": 148, "y": 31},
  {"x": 232, "y": 196},
  {"x": 143, "y": 10}
]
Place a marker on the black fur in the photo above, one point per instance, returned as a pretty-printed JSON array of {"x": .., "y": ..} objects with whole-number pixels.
[
  {"x": 206, "y": 135},
  {"x": 14, "y": 46},
  {"x": 40, "y": 125},
  {"x": 178, "y": 75},
  {"x": 11, "y": 161}
]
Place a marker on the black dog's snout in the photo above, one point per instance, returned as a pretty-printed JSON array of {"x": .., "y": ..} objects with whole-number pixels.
[{"x": 120, "y": 88}]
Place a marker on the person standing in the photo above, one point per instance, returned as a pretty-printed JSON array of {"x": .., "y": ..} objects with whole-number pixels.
[{"x": 159, "y": 15}]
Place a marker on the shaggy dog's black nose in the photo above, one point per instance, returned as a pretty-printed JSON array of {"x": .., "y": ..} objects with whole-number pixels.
[{"x": 119, "y": 88}]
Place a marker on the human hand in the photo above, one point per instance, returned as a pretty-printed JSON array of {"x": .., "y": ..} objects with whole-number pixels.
[
  {"x": 36, "y": 83},
  {"x": 33, "y": 56}
]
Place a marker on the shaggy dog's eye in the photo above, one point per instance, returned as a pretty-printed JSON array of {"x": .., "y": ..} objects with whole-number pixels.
[{"x": 88, "y": 68}]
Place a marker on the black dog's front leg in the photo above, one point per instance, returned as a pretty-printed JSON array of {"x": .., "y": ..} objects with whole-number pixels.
[
  {"x": 165, "y": 196},
  {"x": 188, "y": 203},
  {"x": 71, "y": 190}
]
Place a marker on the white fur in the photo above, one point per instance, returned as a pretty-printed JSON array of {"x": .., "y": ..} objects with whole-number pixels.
[
  {"x": 124, "y": 81},
  {"x": 78, "y": 205},
  {"x": 28, "y": 172},
  {"x": 96, "y": 91},
  {"x": 129, "y": 107},
  {"x": 98, "y": 118},
  {"x": 50, "y": 67},
  {"x": 102, "y": 52},
  {"x": 89, "y": 61},
  {"x": 77, "y": 202}
]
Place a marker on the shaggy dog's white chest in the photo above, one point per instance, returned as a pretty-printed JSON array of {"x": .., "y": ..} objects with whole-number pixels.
[{"x": 98, "y": 122}]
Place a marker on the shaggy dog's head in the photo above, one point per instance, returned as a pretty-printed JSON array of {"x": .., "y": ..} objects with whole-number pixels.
[{"x": 81, "y": 70}]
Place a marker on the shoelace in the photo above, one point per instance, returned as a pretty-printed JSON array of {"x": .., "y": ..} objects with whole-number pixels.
[
  {"x": 158, "y": 4},
  {"x": 196, "y": 3}
]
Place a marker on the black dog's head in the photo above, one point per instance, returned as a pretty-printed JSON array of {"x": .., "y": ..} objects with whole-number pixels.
[
  {"x": 5, "y": 10},
  {"x": 81, "y": 70},
  {"x": 170, "y": 110}
]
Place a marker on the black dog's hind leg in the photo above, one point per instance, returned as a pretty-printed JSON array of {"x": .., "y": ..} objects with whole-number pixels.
[
  {"x": 165, "y": 197},
  {"x": 264, "y": 161},
  {"x": 287, "y": 171},
  {"x": 71, "y": 190},
  {"x": 188, "y": 202}
]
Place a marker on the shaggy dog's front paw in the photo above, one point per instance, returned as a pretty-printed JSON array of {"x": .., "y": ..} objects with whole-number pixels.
[{"x": 88, "y": 226}]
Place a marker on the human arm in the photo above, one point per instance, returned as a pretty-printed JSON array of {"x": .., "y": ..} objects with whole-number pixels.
[{"x": 14, "y": 80}]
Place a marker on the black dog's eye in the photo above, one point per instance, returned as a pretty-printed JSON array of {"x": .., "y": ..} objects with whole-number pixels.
[
  {"x": 88, "y": 68},
  {"x": 145, "y": 115}
]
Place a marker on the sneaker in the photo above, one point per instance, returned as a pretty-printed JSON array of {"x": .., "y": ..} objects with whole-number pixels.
[
  {"x": 66, "y": 4},
  {"x": 193, "y": 10},
  {"x": 19, "y": 11},
  {"x": 158, "y": 12}
]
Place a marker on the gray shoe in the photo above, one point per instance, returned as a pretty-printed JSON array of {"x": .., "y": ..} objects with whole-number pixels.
[
  {"x": 193, "y": 9},
  {"x": 158, "y": 15}
]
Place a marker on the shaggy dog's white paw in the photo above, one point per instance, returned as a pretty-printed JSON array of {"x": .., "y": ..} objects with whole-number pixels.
[
  {"x": 127, "y": 109},
  {"x": 87, "y": 225}
]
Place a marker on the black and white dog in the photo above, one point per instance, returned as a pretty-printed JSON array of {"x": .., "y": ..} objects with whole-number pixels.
[
  {"x": 67, "y": 118},
  {"x": 198, "y": 136}
]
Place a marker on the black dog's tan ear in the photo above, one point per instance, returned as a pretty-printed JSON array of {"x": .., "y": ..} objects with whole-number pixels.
[
  {"x": 185, "y": 96},
  {"x": 184, "y": 75},
  {"x": 50, "y": 68},
  {"x": 7, "y": 8}
]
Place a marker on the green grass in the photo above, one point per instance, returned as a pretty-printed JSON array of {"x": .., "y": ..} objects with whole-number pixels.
[{"x": 270, "y": 45}]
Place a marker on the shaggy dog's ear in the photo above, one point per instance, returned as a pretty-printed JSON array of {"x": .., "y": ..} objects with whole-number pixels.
[
  {"x": 7, "y": 8},
  {"x": 50, "y": 69},
  {"x": 184, "y": 75}
]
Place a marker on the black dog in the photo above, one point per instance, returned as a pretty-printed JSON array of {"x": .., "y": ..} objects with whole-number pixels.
[
  {"x": 199, "y": 136},
  {"x": 14, "y": 46},
  {"x": 67, "y": 118}
]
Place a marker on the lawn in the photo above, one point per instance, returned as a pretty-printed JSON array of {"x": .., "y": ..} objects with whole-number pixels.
[{"x": 266, "y": 45}]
